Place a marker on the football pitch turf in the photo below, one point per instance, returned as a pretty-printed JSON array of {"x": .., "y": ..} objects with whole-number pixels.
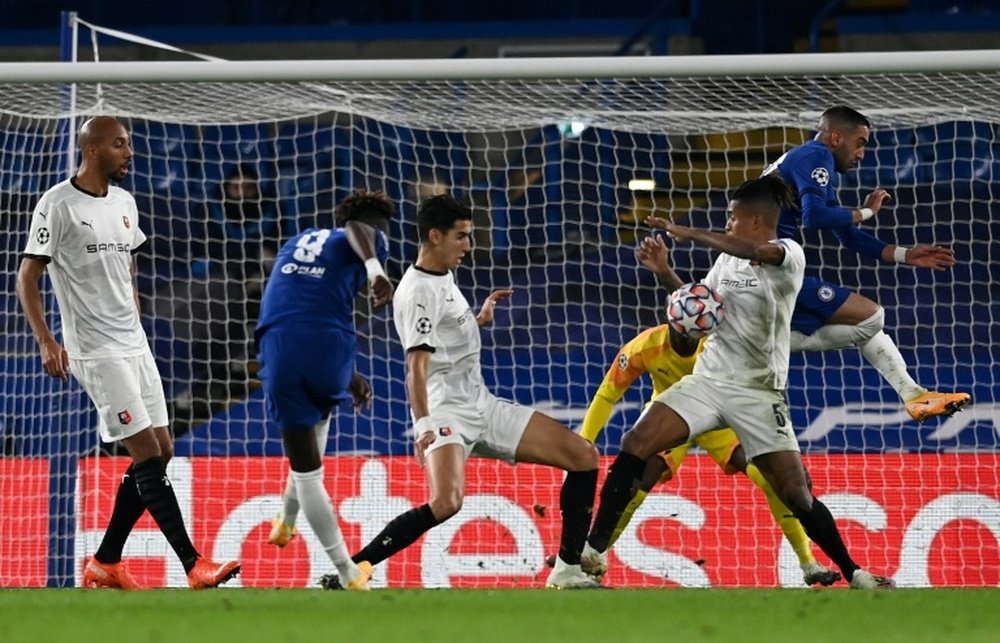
[{"x": 482, "y": 616}]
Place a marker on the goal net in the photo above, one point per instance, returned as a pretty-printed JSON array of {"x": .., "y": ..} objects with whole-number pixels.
[{"x": 561, "y": 166}]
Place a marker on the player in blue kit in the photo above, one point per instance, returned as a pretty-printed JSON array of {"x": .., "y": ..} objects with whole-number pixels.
[
  {"x": 307, "y": 345},
  {"x": 828, "y": 316}
]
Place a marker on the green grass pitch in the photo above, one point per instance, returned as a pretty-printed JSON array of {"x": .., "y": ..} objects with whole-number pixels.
[{"x": 482, "y": 616}]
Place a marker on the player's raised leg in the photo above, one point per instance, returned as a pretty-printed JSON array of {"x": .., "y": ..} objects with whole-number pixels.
[
  {"x": 546, "y": 441},
  {"x": 445, "y": 467},
  {"x": 859, "y": 321}
]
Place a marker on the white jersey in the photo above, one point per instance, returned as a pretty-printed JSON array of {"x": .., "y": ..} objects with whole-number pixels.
[
  {"x": 751, "y": 347},
  {"x": 87, "y": 242},
  {"x": 431, "y": 313}
]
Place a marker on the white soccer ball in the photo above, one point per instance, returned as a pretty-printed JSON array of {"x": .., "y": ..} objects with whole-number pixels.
[{"x": 695, "y": 310}]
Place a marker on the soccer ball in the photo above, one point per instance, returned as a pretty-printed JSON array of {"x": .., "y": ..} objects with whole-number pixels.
[{"x": 695, "y": 310}]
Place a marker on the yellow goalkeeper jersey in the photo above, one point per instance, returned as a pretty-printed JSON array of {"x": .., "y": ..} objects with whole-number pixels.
[{"x": 648, "y": 352}]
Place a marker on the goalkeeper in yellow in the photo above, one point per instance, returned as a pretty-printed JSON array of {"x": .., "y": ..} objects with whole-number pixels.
[{"x": 667, "y": 356}]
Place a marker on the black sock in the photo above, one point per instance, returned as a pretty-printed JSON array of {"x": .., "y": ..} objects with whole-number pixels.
[
  {"x": 822, "y": 530},
  {"x": 158, "y": 496},
  {"x": 398, "y": 535},
  {"x": 576, "y": 502},
  {"x": 616, "y": 493},
  {"x": 127, "y": 510}
]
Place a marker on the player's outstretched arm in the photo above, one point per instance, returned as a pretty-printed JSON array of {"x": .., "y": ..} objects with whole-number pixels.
[
  {"x": 770, "y": 253},
  {"x": 485, "y": 316},
  {"x": 921, "y": 256},
  {"x": 55, "y": 359},
  {"x": 625, "y": 370}
]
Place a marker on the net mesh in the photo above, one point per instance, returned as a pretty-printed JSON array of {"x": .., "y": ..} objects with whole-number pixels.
[{"x": 546, "y": 165}]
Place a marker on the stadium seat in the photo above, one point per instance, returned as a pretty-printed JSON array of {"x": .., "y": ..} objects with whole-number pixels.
[
  {"x": 890, "y": 160},
  {"x": 226, "y": 146},
  {"x": 158, "y": 175},
  {"x": 26, "y": 160}
]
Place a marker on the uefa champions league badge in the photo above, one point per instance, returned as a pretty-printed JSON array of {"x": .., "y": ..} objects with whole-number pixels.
[{"x": 821, "y": 175}]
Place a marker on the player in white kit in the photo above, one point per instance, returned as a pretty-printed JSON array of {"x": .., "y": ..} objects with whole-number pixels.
[
  {"x": 85, "y": 231},
  {"x": 741, "y": 377},
  {"x": 455, "y": 416}
]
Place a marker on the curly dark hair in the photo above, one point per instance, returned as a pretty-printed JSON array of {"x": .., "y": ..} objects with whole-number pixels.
[
  {"x": 768, "y": 191},
  {"x": 373, "y": 208}
]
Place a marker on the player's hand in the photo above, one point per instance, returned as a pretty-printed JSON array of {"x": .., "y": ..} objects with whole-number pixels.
[
  {"x": 55, "y": 360},
  {"x": 424, "y": 440},
  {"x": 381, "y": 291},
  {"x": 485, "y": 316},
  {"x": 676, "y": 232},
  {"x": 933, "y": 257},
  {"x": 653, "y": 254},
  {"x": 876, "y": 199},
  {"x": 361, "y": 391}
]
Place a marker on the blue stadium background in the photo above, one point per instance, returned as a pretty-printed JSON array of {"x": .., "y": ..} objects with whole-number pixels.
[{"x": 551, "y": 344}]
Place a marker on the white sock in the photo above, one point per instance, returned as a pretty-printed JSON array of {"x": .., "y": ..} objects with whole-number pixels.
[
  {"x": 319, "y": 512},
  {"x": 827, "y": 338},
  {"x": 881, "y": 352},
  {"x": 290, "y": 501}
]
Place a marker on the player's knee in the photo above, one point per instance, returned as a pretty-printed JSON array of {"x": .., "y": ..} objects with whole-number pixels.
[
  {"x": 166, "y": 453},
  {"x": 585, "y": 457},
  {"x": 446, "y": 505},
  {"x": 870, "y": 326},
  {"x": 798, "y": 499},
  {"x": 640, "y": 442}
]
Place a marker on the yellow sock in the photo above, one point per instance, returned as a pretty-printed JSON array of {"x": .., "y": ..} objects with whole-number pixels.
[
  {"x": 789, "y": 524},
  {"x": 637, "y": 499}
]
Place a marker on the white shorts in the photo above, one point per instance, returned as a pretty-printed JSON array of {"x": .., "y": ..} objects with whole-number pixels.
[
  {"x": 127, "y": 392},
  {"x": 759, "y": 416},
  {"x": 488, "y": 427}
]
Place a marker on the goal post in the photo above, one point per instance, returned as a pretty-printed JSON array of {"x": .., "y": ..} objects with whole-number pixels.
[{"x": 562, "y": 160}]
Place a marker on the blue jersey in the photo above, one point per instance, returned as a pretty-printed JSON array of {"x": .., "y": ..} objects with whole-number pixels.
[
  {"x": 315, "y": 278},
  {"x": 810, "y": 171}
]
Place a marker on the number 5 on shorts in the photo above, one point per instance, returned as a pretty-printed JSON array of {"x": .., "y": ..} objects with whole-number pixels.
[{"x": 779, "y": 414}]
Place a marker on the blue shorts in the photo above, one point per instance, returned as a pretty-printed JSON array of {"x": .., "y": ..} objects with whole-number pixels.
[
  {"x": 817, "y": 302},
  {"x": 304, "y": 374}
]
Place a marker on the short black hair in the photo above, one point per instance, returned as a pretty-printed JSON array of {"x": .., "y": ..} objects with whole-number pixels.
[
  {"x": 768, "y": 192},
  {"x": 440, "y": 213},
  {"x": 843, "y": 117},
  {"x": 373, "y": 208}
]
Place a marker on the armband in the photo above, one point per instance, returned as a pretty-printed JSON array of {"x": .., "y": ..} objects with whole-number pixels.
[
  {"x": 374, "y": 268},
  {"x": 424, "y": 425},
  {"x": 866, "y": 213},
  {"x": 899, "y": 254}
]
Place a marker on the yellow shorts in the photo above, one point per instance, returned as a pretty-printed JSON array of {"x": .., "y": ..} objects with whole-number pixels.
[{"x": 719, "y": 444}]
